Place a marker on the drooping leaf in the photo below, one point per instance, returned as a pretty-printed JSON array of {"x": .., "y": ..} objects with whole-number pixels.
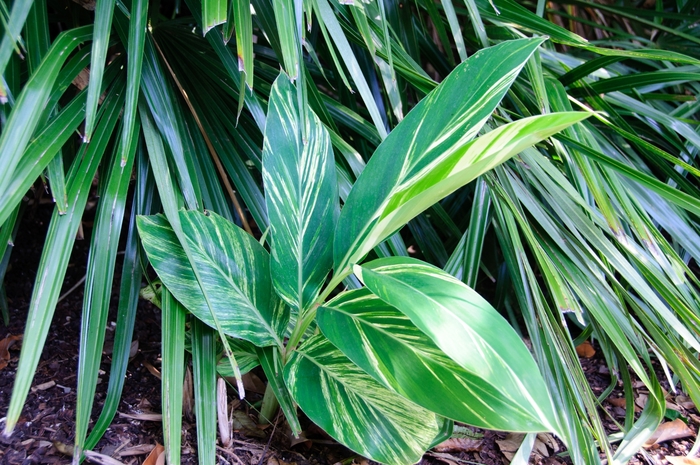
[
  {"x": 29, "y": 106},
  {"x": 234, "y": 268},
  {"x": 386, "y": 344},
  {"x": 301, "y": 194},
  {"x": 355, "y": 409},
  {"x": 466, "y": 328},
  {"x": 56, "y": 253}
]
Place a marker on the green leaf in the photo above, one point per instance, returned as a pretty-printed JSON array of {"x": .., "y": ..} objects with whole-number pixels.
[
  {"x": 301, "y": 194},
  {"x": 173, "y": 372},
  {"x": 383, "y": 342},
  {"x": 56, "y": 253},
  {"x": 271, "y": 362},
  {"x": 244, "y": 39},
  {"x": 213, "y": 13},
  {"x": 245, "y": 354},
  {"x": 438, "y": 157},
  {"x": 98, "y": 286},
  {"x": 289, "y": 39},
  {"x": 234, "y": 268},
  {"x": 20, "y": 11},
  {"x": 445, "y": 120},
  {"x": 467, "y": 328},
  {"x": 104, "y": 10},
  {"x": 29, "y": 107},
  {"x": 204, "y": 371},
  {"x": 355, "y": 409}
]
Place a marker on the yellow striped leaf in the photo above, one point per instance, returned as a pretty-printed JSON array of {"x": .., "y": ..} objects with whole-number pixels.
[
  {"x": 355, "y": 409},
  {"x": 387, "y": 345},
  {"x": 234, "y": 268},
  {"x": 468, "y": 330},
  {"x": 301, "y": 194}
]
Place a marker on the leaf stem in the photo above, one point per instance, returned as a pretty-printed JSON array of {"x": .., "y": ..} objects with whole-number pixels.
[{"x": 307, "y": 317}]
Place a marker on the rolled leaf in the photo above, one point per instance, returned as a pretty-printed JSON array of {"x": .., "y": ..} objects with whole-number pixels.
[
  {"x": 355, "y": 409},
  {"x": 301, "y": 194},
  {"x": 466, "y": 328},
  {"x": 235, "y": 270}
]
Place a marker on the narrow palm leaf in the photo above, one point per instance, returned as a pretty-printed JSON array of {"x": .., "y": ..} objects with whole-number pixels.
[
  {"x": 56, "y": 254},
  {"x": 32, "y": 100},
  {"x": 104, "y": 10}
]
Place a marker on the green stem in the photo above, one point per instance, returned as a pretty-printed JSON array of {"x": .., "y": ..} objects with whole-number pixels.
[
  {"x": 269, "y": 406},
  {"x": 306, "y": 318}
]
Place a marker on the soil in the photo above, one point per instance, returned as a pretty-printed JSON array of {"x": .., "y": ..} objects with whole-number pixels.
[{"x": 44, "y": 433}]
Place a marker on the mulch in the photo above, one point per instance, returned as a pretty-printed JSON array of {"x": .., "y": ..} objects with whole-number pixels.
[{"x": 44, "y": 434}]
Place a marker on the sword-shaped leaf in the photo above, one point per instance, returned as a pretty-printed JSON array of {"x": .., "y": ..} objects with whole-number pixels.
[
  {"x": 301, "y": 194},
  {"x": 235, "y": 270},
  {"x": 466, "y": 328},
  {"x": 418, "y": 148},
  {"x": 355, "y": 409},
  {"x": 387, "y": 345}
]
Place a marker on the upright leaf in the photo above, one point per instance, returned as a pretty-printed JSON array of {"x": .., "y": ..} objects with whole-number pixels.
[
  {"x": 411, "y": 187},
  {"x": 466, "y": 328},
  {"x": 445, "y": 120},
  {"x": 104, "y": 10},
  {"x": 234, "y": 269},
  {"x": 355, "y": 409},
  {"x": 301, "y": 194}
]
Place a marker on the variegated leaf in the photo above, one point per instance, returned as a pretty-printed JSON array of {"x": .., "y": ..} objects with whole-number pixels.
[
  {"x": 466, "y": 328},
  {"x": 301, "y": 194},
  {"x": 439, "y": 125},
  {"x": 234, "y": 269},
  {"x": 355, "y": 409},
  {"x": 387, "y": 345}
]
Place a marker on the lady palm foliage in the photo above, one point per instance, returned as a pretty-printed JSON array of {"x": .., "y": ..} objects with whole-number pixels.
[{"x": 254, "y": 118}]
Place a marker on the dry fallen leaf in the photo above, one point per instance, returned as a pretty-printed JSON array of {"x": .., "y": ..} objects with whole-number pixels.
[
  {"x": 222, "y": 413},
  {"x": 63, "y": 448},
  {"x": 152, "y": 458},
  {"x": 617, "y": 401},
  {"x": 275, "y": 461},
  {"x": 683, "y": 460},
  {"x": 143, "y": 416},
  {"x": 460, "y": 445},
  {"x": 243, "y": 424},
  {"x": 44, "y": 386},
  {"x": 137, "y": 450},
  {"x": 685, "y": 402},
  {"x": 510, "y": 445},
  {"x": 585, "y": 350},
  {"x": 675, "y": 429},
  {"x": 5, "y": 345},
  {"x": 101, "y": 459}
]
